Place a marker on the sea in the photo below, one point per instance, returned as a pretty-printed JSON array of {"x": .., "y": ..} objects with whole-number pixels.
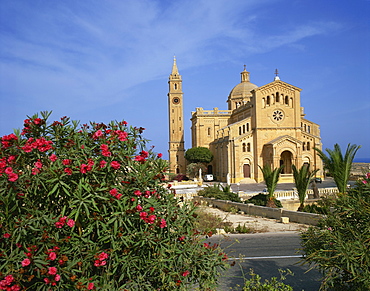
[{"x": 361, "y": 160}]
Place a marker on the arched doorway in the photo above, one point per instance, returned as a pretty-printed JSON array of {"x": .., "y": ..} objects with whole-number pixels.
[
  {"x": 286, "y": 160},
  {"x": 247, "y": 170}
]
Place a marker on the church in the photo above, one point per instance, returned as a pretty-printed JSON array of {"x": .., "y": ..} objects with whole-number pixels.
[{"x": 262, "y": 125}]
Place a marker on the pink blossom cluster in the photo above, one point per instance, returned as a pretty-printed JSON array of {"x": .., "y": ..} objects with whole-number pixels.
[
  {"x": 146, "y": 193},
  {"x": 53, "y": 277},
  {"x": 122, "y": 135},
  {"x": 105, "y": 150},
  {"x": 150, "y": 219},
  {"x": 41, "y": 144},
  {"x": 101, "y": 259},
  {"x": 28, "y": 123},
  {"x": 64, "y": 220},
  {"x": 12, "y": 177},
  {"x": 367, "y": 178},
  {"x": 6, "y": 140},
  {"x": 6, "y": 283},
  {"x": 115, "y": 194},
  {"x": 142, "y": 157},
  {"x": 84, "y": 168}
]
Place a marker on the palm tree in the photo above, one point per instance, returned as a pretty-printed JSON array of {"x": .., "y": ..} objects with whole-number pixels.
[
  {"x": 271, "y": 178},
  {"x": 339, "y": 166},
  {"x": 302, "y": 179}
]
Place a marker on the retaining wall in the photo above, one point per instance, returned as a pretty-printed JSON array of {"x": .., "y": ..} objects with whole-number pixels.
[{"x": 250, "y": 209}]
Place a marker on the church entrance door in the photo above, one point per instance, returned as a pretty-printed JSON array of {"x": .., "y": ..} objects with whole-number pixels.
[
  {"x": 247, "y": 170},
  {"x": 286, "y": 160}
]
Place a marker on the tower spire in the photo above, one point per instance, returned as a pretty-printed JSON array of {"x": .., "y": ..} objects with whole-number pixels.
[{"x": 175, "y": 71}]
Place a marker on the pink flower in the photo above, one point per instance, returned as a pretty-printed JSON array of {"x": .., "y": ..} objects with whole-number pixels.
[
  {"x": 163, "y": 223},
  {"x": 364, "y": 181},
  {"x": 12, "y": 177},
  {"x": 52, "y": 271},
  {"x": 66, "y": 162},
  {"x": 90, "y": 286},
  {"x": 137, "y": 193},
  {"x": 68, "y": 171},
  {"x": 46, "y": 280},
  {"x": 159, "y": 155},
  {"x": 368, "y": 175},
  {"x": 38, "y": 165},
  {"x": 97, "y": 134},
  {"x": 8, "y": 170},
  {"x": 184, "y": 274},
  {"x": 70, "y": 222},
  {"x": 59, "y": 224},
  {"x": 52, "y": 256},
  {"x": 83, "y": 168},
  {"x": 57, "y": 277},
  {"x": 103, "y": 256},
  {"x": 139, "y": 208},
  {"x": 35, "y": 171},
  {"x": 102, "y": 164},
  {"x": 115, "y": 165},
  {"x": 118, "y": 196},
  {"x": 113, "y": 192},
  {"x": 7, "y": 235},
  {"x": 26, "y": 262},
  {"x": 53, "y": 158},
  {"x": 151, "y": 219}
]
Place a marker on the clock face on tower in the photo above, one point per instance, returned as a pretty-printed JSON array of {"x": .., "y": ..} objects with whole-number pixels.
[{"x": 176, "y": 100}]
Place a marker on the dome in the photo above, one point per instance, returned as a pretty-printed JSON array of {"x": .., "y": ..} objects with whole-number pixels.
[{"x": 243, "y": 89}]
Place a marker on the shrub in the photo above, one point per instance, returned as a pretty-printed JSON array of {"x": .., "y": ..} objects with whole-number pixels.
[
  {"x": 261, "y": 200},
  {"x": 339, "y": 246},
  {"x": 84, "y": 208},
  {"x": 219, "y": 192},
  {"x": 255, "y": 284}
]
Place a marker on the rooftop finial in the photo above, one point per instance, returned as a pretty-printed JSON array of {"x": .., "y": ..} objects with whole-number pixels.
[
  {"x": 276, "y": 73},
  {"x": 245, "y": 67},
  {"x": 175, "y": 71}
]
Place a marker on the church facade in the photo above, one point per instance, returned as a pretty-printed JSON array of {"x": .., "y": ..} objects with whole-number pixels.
[{"x": 262, "y": 125}]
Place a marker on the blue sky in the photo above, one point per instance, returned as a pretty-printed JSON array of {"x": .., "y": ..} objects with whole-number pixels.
[{"x": 110, "y": 60}]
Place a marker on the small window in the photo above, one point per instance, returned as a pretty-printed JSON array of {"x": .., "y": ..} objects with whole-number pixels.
[
  {"x": 247, "y": 126},
  {"x": 277, "y": 97},
  {"x": 268, "y": 100},
  {"x": 249, "y": 147},
  {"x": 286, "y": 100},
  {"x": 175, "y": 86},
  {"x": 244, "y": 148},
  {"x": 240, "y": 130},
  {"x": 243, "y": 128},
  {"x": 209, "y": 131},
  {"x": 308, "y": 146}
]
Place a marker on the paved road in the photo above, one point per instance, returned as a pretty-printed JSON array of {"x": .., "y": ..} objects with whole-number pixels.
[{"x": 266, "y": 253}]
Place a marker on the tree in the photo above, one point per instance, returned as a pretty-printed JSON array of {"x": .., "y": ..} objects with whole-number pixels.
[
  {"x": 339, "y": 246},
  {"x": 271, "y": 178},
  {"x": 339, "y": 166},
  {"x": 199, "y": 155},
  {"x": 85, "y": 208},
  {"x": 192, "y": 169},
  {"x": 302, "y": 179}
]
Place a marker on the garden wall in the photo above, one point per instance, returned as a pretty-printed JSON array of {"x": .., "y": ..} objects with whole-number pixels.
[{"x": 250, "y": 209}]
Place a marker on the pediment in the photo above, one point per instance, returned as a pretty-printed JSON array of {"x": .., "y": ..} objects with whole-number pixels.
[{"x": 285, "y": 141}]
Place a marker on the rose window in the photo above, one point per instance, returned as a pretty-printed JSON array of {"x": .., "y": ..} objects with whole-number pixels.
[{"x": 278, "y": 115}]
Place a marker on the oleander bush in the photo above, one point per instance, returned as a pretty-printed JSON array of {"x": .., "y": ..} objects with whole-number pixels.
[
  {"x": 340, "y": 245},
  {"x": 262, "y": 199},
  {"x": 85, "y": 208},
  {"x": 219, "y": 191}
]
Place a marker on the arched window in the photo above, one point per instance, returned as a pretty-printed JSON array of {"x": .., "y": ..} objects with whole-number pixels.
[
  {"x": 248, "y": 147},
  {"x": 286, "y": 101},
  {"x": 175, "y": 86},
  {"x": 243, "y": 128},
  {"x": 240, "y": 130},
  {"x": 263, "y": 103},
  {"x": 277, "y": 97},
  {"x": 243, "y": 147},
  {"x": 247, "y": 126},
  {"x": 304, "y": 146},
  {"x": 308, "y": 146},
  {"x": 268, "y": 100}
]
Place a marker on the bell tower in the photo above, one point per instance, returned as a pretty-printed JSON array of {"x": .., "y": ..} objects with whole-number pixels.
[{"x": 176, "y": 149}]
